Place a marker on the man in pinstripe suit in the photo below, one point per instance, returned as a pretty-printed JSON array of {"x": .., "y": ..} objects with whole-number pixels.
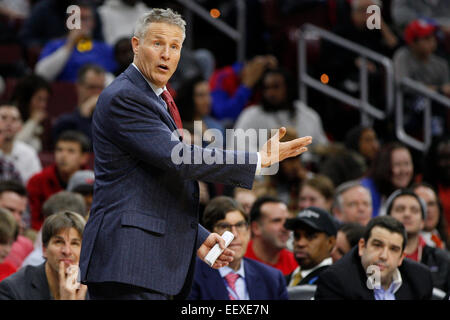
[{"x": 143, "y": 233}]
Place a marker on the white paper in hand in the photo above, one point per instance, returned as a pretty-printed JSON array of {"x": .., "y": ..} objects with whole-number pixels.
[{"x": 215, "y": 252}]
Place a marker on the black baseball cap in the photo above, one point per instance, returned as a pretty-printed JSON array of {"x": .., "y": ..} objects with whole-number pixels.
[{"x": 316, "y": 218}]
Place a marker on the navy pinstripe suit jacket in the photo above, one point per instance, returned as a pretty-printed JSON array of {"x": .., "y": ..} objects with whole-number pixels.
[{"x": 143, "y": 228}]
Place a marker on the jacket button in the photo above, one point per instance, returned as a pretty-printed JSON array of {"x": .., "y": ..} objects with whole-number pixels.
[{"x": 193, "y": 225}]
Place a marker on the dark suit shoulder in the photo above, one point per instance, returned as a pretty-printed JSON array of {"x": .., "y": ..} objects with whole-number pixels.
[
  {"x": 264, "y": 269},
  {"x": 16, "y": 286}
]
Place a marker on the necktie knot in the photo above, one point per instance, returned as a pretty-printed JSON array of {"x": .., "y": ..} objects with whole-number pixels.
[{"x": 231, "y": 279}]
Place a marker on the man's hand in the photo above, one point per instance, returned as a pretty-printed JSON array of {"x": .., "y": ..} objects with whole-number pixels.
[
  {"x": 224, "y": 259},
  {"x": 88, "y": 106},
  {"x": 275, "y": 151},
  {"x": 69, "y": 287}
]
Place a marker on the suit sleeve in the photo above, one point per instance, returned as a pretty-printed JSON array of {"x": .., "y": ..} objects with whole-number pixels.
[
  {"x": 139, "y": 129},
  {"x": 202, "y": 234}
]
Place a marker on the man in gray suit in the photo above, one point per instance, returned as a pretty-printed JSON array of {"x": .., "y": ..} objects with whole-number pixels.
[{"x": 143, "y": 233}]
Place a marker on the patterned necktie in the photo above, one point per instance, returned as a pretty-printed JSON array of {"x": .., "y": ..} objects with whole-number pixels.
[
  {"x": 231, "y": 279},
  {"x": 173, "y": 110}
]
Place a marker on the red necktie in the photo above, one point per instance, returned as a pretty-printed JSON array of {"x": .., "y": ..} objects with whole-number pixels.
[
  {"x": 173, "y": 110},
  {"x": 231, "y": 279}
]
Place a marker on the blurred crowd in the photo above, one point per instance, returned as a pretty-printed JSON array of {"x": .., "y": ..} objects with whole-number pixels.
[{"x": 293, "y": 225}]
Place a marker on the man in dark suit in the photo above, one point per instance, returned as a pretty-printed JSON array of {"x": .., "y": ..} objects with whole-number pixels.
[
  {"x": 376, "y": 268},
  {"x": 56, "y": 277},
  {"x": 314, "y": 239},
  {"x": 143, "y": 233},
  {"x": 244, "y": 278}
]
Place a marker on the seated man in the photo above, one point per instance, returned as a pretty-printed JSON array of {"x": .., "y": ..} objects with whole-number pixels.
[
  {"x": 269, "y": 236},
  {"x": 347, "y": 237},
  {"x": 13, "y": 197},
  {"x": 59, "y": 202},
  {"x": 61, "y": 236},
  {"x": 405, "y": 206},
  {"x": 243, "y": 278},
  {"x": 71, "y": 155},
  {"x": 381, "y": 254},
  {"x": 314, "y": 238},
  {"x": 352, "y": 203}
]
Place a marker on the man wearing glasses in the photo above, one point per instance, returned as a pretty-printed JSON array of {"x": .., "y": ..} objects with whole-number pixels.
[{"x": 243, "y": 278}]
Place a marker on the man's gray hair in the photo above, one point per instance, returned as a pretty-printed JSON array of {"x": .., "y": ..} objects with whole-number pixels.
[
  {"x": 159, "y": 15},
  {"x": 343, "y": 187}
]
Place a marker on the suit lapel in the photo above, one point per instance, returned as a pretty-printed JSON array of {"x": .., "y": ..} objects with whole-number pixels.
[
  {"x": 138, "y": 79},
  {"x": 215, "y": 288},
  {"x": 39, "y": 284},
  {"x": 253, "y": 281}
]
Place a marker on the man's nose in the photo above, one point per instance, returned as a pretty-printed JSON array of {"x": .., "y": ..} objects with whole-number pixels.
[
  {"x": 165, "y": 53},
  {"x": 384, "y": 253}
]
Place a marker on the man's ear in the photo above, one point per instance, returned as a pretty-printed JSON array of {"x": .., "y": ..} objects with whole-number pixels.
[
  {"x": 361, "y": 246},
  {"x": 255, "y": 229},
  {"x": 331, "y": 242},
  {"x": 401, "y": 259},
  {"x": 135, "y": 44}
]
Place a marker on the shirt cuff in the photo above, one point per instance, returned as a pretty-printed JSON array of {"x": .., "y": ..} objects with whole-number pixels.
[{"x": 258, "y": 165}]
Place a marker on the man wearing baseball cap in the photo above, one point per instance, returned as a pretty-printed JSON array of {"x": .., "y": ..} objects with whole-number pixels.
[
  {"x": 314, "y": 238},
  {"x": 418, "y": 61}
]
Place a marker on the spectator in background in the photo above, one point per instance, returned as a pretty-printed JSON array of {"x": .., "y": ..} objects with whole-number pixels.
[
  {"x": 317, "y": 191},
  {"x": 278, "y": 108},
  {"x": 269, "y": 236},
  {"x": 246, "y": 198},
  {"x": 352, "y": 203},
  {"x": 8, "y": 234},
  {"x": 123, "y": 54},
  {"x": 61, "y": 237},
  {"x": 13, "y": 197},
  {"x": 437, "y": 172},
  {"x": 285, "y": 184},
  {"x": 119, "y": 17},
  {"x": 347, "y": 237},
  {"x": 62, "y": 58},
  {"x": 434, "y": 231},
  {"x": 243, "y": 278},
  {"x": 232, "y": 86},
  {"x": 392, "y": 169},
  {"x": 194, "y": 99},
  {"x": 71, "y": 155},
  {"x": 404, "y": 11},
  {"x": 7, "y": 169},
  {"x": 383, "y": 245},
  {"x": 314, "y": 238},
  {"x": 31, "y": 96},
  {"x": 59, "y": 202},
  {"x": 15, "y": 9},
  {"x": 417, "y": 61},
  {"x": 90, "y": 83},
  {"x": 405, "y": 206},
  {"x": 23, "y": 156},
  {"x": 342, "y": 65},
  {"x": 47, "y": 21},
  {"x": 363, "y": 140},
  {"x": 350, "y": 161},
  {"x": 82, "y": 182}
]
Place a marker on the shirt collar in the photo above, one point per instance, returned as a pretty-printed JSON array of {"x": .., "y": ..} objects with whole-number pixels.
[
  {"x": 325, "y": 262},
  {"x": 226, "y": 270},
  {"x": 395, "y": 284},
  {"x": 155, "y": 89}
]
